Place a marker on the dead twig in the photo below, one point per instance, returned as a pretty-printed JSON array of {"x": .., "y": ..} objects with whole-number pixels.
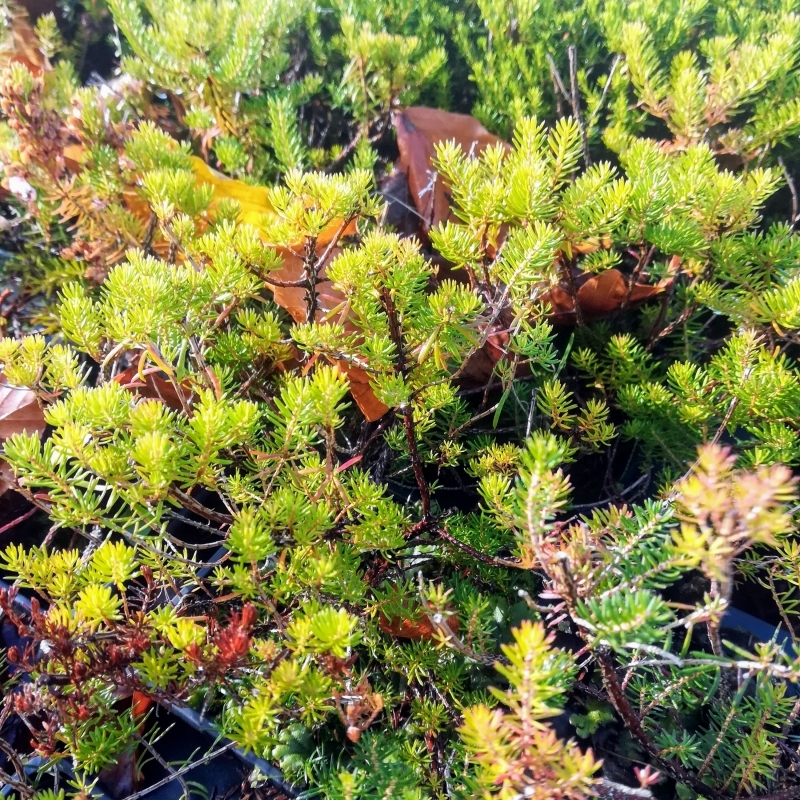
[
  {"x": 575, "y": 101},
  {"x": 182, "y": 771}
]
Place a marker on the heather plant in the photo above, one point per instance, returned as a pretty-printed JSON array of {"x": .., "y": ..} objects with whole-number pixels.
[
  {"x": 414, "y": 509},
  {"x": 721, "y": 73}
]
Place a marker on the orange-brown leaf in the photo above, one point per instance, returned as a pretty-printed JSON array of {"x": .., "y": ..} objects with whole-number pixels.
[
  {"x": 293, "y": 298},
  {"x": 418, "y": 627},
  {"x": 599, "y": 296},
  {"x": 153, "y": 387},
  {"x": 418, "y": 130},
  {"x": 23, "y": 45},
  {"x": 20, "y": 411},
  {"x": 372, "y": 408}
]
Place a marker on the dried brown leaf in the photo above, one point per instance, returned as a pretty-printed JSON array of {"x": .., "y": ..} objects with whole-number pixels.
[
  {"x": 418, "y": 129},
  {"x": 416, "y": 627},
  {"x": 153, "y": 387},
  {"x": 20, "y": 411},
  {"x": 21, "y": 43},
  {"x": 599, "y": 296}
]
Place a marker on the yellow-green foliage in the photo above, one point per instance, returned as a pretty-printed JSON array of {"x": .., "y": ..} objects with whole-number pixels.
[{"x": 391, "y": 509}]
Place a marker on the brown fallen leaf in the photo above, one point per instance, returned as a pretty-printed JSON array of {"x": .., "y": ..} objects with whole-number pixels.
[
  {"x": 480, "y": 366},
  {"x": 256, "y": 210},
  {"x": 599, "y": 296},
  {"x": 293, "y": 298},
  {"x": 154, "y": 387},
  {"x": 418, "y": 130},
  {"x": 369, "y": 405},
  {"x": 73, "y": 157},
  {"x": 401, "y": 215},
  {"x": 123, "y": 777},
  {"x": 20, "y": 411},
  {"x": 416, "y": 627},
  {"x": 23, "y": 45}
]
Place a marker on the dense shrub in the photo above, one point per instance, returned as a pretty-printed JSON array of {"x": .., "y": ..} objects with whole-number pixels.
[{"x": 424, "y": 458}]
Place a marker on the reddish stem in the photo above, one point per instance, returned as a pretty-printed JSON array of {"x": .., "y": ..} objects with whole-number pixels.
[{"x": 14, "y": 522}]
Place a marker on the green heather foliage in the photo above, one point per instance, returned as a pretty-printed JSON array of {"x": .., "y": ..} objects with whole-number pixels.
[{"x": 428, "y": 529}]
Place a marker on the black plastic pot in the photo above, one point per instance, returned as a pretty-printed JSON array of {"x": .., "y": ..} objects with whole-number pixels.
[
  {"x": 741, "y": 622},
  {"x": 188, "y": 739},
  {"x": 737, "y": 620}
]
